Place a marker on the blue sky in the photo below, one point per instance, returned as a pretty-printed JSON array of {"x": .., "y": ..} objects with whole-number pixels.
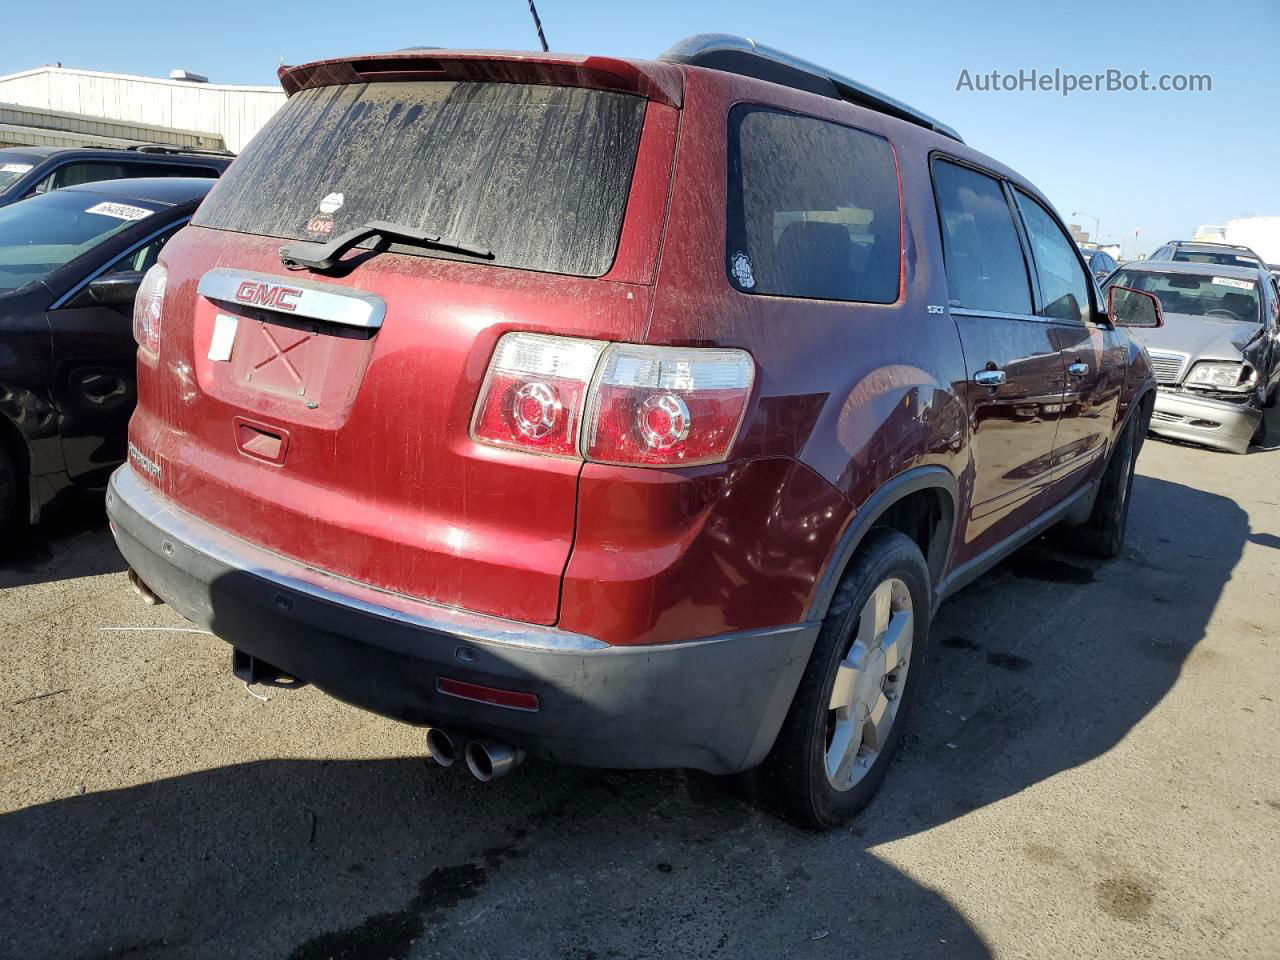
[{"x": 1159, "y": 162}]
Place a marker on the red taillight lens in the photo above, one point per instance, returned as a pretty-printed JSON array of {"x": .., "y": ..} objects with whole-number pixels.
[
  {"x": 645, "y": 406},
  {"x": 147, "y": 309},
  {"x": 667, "y": 406},
  {"x": 533, "y": 394}
]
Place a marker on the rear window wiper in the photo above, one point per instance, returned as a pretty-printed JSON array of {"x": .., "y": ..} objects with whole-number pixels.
[{"x": 320, "y": 257}]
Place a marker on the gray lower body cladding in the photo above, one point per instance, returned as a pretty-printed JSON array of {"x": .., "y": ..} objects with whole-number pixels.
[{"x": 713, "y": 704}]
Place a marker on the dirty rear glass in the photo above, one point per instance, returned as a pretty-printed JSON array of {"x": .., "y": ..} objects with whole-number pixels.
[{"x": 538, "y": 174}]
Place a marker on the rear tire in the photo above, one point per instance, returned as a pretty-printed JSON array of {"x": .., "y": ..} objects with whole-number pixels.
[
  {"x": 1102, "y": 535},
  {"x": 8, "y": 499},
  {"x": 1259, "y": 437},
  {"x": 853, "y": 702}
]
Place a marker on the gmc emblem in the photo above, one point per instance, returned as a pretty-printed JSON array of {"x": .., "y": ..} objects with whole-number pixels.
[{"x": 266, "y": 295}]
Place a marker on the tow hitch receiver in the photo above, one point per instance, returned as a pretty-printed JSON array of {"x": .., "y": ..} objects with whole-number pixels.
[{"x": 251, "y": 670}]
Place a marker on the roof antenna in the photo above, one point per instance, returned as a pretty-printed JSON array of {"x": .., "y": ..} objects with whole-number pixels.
[{"x": 538, "y": 23}]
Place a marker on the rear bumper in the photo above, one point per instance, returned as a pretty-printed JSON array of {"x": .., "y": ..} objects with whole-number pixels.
[
  {"x": 1224, "y": 426},
  {"x": 713, "y": 704}
]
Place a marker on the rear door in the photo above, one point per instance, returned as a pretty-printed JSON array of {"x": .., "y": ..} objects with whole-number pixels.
[
  {"x": 1016, "y": 378},
  {"x": 1093, "y": 354},
  {"x": 95, "y": 363}
]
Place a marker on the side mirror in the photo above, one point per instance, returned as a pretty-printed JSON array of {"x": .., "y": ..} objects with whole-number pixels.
[
  {"x": 116, "y": 289},
  {"x": 1134, "y": 308}
]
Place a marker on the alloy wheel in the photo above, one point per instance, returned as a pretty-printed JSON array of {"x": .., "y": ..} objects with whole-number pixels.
[{"x": 869, "y": 682}]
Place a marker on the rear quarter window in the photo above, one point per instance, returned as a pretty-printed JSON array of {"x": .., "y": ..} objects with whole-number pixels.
[
  {"x": 813, "y": 209},
  {"x": 169, "y": 170}
]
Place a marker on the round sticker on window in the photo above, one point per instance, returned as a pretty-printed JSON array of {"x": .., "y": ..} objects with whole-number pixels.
[{"x": 740, "y": 268}]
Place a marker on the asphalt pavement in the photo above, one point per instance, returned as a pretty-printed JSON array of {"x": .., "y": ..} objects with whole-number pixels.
[{"x": 1093, "y": 770}]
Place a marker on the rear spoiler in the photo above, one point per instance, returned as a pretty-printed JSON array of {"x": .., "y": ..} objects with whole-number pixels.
[{"x": 662, "y": 83}]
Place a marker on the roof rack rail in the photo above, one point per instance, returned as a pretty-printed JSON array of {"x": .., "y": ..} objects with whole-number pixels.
[
  {"x": 740, "y": 55},
  {"x": 1212, "y": 243},
  {"x": 177, "y": 150}
]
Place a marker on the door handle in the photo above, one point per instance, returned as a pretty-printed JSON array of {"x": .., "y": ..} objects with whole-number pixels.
[
  {"x": 989, "y": 378},
  {"x": 1078, "y": 369}
]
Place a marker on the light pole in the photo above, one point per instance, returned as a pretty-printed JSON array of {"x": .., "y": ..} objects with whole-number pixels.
[{"x": 1097, "y": 224}]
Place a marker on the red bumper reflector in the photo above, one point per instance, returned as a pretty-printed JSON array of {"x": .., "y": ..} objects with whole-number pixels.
[{"x": 511, "y": 699}]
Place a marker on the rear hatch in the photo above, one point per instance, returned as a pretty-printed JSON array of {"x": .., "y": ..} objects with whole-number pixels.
[{"x": 326, "y": 416}]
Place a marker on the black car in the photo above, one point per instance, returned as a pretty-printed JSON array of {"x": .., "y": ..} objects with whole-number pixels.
[
  {"x": 71, "y": 262},
  {"x": 1101, "y": 264},
  {"x": 29, "y": 171}
]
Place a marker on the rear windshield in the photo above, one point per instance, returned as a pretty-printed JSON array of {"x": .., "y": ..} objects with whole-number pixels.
[
  {"x": 1225, "y": 298},
  {"x": 813, "y": 209},
  {"x": 1221, "y": 259},
  {"x": 537, "y": 174}
]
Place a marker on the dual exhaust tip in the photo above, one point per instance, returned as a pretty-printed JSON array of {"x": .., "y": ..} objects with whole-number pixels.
[{"x": 486, "y": 759}]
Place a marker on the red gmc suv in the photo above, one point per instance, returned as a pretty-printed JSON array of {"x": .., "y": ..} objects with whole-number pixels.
[{"x": 627, "y": 413}]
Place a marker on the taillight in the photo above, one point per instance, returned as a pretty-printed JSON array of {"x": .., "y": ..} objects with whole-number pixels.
[
  {"x": 147, "y": 307},
  {"x": 532, "y": 396},
  {"x": 665, "y": 406},
  {"x": 644, "y": 406}
]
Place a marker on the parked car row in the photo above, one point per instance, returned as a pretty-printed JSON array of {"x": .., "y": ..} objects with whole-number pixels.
[{"x": 469, "y": 399}]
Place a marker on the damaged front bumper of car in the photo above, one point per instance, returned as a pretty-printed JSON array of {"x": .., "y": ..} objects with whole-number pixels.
[{"x": 1215, "y": 419}]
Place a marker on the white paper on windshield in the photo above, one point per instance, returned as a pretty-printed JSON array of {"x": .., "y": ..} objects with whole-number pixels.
[
  {"x": 15, "y": 167},
  {"x": 121, "y": 211},
  {"x": 1232, "y": 282},
  {"x": 224, "y": 337}
]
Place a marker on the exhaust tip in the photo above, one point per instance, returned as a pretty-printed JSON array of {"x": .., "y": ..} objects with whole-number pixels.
[
  {"x": 490, "y": 759},
  {"x": 441, "y": 747},
  {"x": 142, "y": 590}
]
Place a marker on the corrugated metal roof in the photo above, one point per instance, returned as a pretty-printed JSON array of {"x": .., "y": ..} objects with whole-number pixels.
[
  {"x": 16, "y": 135},
  {"x": 92, "y": 129}
]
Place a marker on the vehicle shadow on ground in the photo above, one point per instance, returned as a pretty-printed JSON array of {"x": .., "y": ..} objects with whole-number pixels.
[
  {"x": 1041, "y": 666},
  {"x": 72, "y": 541}
]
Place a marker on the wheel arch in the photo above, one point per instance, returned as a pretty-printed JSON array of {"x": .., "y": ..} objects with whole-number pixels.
[
  {"x": 921, "y": 503},
  {"x": 1142, "y": 405},
  {"x": 13, "y": 445}
]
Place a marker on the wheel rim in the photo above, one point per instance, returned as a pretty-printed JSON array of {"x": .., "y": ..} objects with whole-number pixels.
[{"x": 869, "y": 683}]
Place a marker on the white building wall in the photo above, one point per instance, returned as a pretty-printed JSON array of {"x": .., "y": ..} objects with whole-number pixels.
[
  {"x": 234, "y": 112},
  {"x": 1261, "y": 234}
]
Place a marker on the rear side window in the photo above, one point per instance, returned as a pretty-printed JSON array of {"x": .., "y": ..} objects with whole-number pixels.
[
  {"x": 985, "y": 266},
  {"x": 168, "y": 170},
  {"x": 538, "y": 174},
  {"x": 77, "y": 173},
  {"x": 813, "y": 209},
  {"x": 1064, "y": 289}
]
